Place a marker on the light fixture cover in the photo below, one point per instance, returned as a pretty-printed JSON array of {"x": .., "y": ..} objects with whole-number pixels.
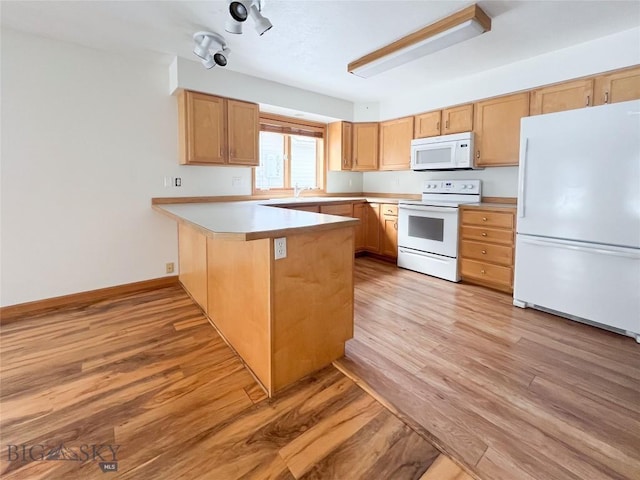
[{"x": 456, "y": 28}]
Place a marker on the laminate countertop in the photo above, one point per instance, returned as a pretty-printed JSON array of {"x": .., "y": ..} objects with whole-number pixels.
[{"x": 251, "y": 220}]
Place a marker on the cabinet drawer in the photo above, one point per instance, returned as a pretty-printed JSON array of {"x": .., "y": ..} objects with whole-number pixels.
[
  {"x": 389, "y": 209},
  {"x": 344, "y": 209},
  {"x": 504, "y": 237},
  {"x": 487, "y": 252},
  {"x": 488, "y": 218},
  {"x": 486, "y": 272}
]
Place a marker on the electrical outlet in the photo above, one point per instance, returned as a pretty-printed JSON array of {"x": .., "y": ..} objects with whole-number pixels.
[
  {"x": 170, "y": 267},
  {"x": 178, "y": 182},
  {"x": 236, "y": 181},
  {"x": 280, "y": 248}
]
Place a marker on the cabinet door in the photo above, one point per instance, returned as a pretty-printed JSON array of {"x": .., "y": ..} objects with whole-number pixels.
[
  {"x": 458, "y": 119},
  {"x": 389, "y": 232},
  {"x": 202, "y": 128},
  {"x": 340, "y": 146},
  {"x": 243, "y": 131},
  {"x": 566, "y": 96},
  {"x": 497, "y": 129},
  {"x": 359, "y": 213},
  {"x": 372, "y": 228},
  {"x": 395, "y": 144},
  {"x": 427, "y": 124},
  {"x": 618, "y": 87},
  {"x": 365, "y": 146}
]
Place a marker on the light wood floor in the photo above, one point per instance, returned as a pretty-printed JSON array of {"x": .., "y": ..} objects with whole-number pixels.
[
  {"x": 513, "y": 394},
  {"x": 147, "y": 373}
]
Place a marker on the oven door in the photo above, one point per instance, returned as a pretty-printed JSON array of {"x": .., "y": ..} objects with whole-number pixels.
[
  {"x": 429, "y": 229},
  {"x": 433, "y": 156}
]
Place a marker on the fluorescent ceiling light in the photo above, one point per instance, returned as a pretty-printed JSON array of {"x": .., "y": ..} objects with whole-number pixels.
[{"x": 456, "y": 28}]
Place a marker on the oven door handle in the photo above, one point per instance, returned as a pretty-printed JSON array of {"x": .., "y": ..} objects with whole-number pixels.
[{"x": 428, "y": 209}]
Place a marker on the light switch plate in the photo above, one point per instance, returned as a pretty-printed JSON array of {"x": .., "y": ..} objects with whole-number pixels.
[{"x": 280, "y": 248}]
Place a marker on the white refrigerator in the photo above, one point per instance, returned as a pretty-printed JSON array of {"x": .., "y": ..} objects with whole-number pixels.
[{"x": 578, "y": 226}]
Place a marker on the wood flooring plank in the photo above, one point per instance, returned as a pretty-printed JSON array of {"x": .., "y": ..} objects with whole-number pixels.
[
  {"x": 443, "y": 468},
  {"x": 549, "y": 397},
  {"x": 314, "y": 444}
]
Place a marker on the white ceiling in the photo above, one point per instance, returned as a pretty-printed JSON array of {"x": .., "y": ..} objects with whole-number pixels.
[{"x": 312, "y": 42}]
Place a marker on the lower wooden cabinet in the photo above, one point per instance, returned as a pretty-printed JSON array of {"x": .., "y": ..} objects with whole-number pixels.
[
  {"x": 389, "y": 230},
  {"x": 377, "y": 231},
  {"x": 372, "y": 228},
  {"x": 359, "y": 212},
  {"x": 487, "y": 237}
]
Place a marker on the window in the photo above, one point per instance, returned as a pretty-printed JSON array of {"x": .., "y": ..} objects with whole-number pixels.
[{"x": 291, "y": 154}]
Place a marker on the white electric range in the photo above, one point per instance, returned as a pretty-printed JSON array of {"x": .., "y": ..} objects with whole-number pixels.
[{"x": 428, "y": 228}]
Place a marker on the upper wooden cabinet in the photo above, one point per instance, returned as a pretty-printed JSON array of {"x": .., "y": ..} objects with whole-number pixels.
[
  {"x": 395, "y": 144},
  {"x": 564, "y": 96},
  {"x": 497, "y": 129},
  {"x": 340, "y": 143},
  {"x": 427, "y": 124},
  {"x": 243, "y": 131},
  {"x": 457, "y": 119},
  {"x": 365, "y": 146},
  {"x": 619, "y": 86},
  {"x": 217, "y": 131},
  {"x": 443, "y": 122}
]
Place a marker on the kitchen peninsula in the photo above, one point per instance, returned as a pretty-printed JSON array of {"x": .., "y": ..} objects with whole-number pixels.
[{"x": 286, "y": 317}]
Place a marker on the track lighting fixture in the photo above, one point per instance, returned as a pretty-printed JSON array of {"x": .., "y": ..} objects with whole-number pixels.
[
  {"x": 239, "y": 11},
  {"x": 211, "y": 48}
]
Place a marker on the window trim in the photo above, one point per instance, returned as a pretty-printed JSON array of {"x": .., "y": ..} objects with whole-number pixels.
[{"x": 270, "y": 122}]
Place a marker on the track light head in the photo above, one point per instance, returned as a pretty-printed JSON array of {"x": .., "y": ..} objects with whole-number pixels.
[
  {"x": 262, "y": 23},
  {"x": 221, "y": 56},
  {"x": 238, "y": 11},
  {"x": 208, "y": 62},
  {"x": 233, "y": 26},
  {"x": 202, "y": 46},
  {"x": 206, "y": 44}
]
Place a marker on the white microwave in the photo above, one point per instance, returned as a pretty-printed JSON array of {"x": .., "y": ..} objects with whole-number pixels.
[{"x": 446, "y": 152}]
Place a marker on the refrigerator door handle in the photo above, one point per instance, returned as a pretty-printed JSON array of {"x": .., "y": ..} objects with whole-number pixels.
[
  {"x": 523, "y": 177},
  {"x": 569, "y": 245}
]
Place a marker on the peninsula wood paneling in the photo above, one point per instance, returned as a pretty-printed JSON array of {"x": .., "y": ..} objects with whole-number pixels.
[
  {"x": 148, "y": 373},
  {"x": 239, "y": 299},
  {"x": 193, "y": 263},
  {"x": 313, "y": 309}
]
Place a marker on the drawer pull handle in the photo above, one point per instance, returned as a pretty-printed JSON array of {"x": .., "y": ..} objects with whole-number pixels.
[
  {"x": 484, "y": 234},
  {"x": 484, "y": 252},
  {"x": 484, "y": 219}
]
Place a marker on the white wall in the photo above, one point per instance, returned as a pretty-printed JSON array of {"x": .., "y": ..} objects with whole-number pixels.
[
  {"x": 87, "y": 138},
  {"x": 496, "y": 181},
  {"x": 607, "y": 53},
  {"x": 219, "y": 81}
]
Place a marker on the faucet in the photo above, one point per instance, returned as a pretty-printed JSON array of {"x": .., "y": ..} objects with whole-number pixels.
[{"x": 297, "y": 190}]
